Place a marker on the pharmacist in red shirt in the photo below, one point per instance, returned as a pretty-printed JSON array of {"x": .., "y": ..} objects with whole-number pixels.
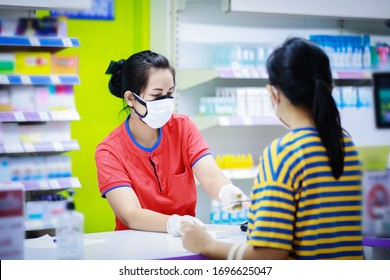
[{"x": 146, "y": 166}]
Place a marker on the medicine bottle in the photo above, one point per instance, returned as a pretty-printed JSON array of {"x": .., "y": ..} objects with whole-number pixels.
[{"x": 69, "y": 233}]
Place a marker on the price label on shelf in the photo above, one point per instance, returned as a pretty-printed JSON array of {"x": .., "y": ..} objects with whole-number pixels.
[
  {"x": 254, "y": 74},
  {"x": 25, "y": 80},
  {"x": 13, "y": 148},
  {"x": 19, "y": 116},
  {"x": 73, "y": 115},
  {"x": 58, "y": 147},
  {"x": 245, "y": 73},
  {"x": 4, "y": 80},
  {"x": 28, "y": 147},
  {"x": 44, "y": 116},
  {"x": 75, "y": 183},
  {"x": 67, "y": 42},
  {"x": 54, "y": 184},
  {"x": 58, "y": 115},
  {"x": 247, "y": 120},
  {"x": 55, "y": 79},
  {"x": 43, "y": 185},
  {"x": 34, "y": 41},
  {"x": 224, "y": 121}
]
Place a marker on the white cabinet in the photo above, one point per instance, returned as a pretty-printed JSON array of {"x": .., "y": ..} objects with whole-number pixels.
[
  {"x": 377, "y": 9},
  {"x": 197, "y": 26}
]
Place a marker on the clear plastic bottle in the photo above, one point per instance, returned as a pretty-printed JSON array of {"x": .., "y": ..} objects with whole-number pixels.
[
  {"x": 215, "y": 213},
  {"x": 69, "y": 233}
]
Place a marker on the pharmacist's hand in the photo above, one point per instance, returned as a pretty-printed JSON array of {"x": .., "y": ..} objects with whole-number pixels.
[
  {"x": 232, "y": 198},
  {"x": 195, "y": 238},
  {"x": 174, "y": 223}
]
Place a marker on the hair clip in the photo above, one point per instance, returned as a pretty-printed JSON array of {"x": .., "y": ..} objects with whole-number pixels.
[{"x": 115, "y": 66}]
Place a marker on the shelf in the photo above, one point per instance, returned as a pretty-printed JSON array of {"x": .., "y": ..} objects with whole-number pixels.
[
  {"x": 41, "y": 185},
  {"x": 20, "y": 148},
  {"x": 49, "y": 184},
  {"x": 352, "y": 74},
  {"x": 193, "y": 77},
  {"x": 240, "y": 173},
  {"x": 53, "y": 42},
  {"x": 71, "y": 115},
  {"x": 13, "y": 79},
  {"x": 204, "y": 122}
]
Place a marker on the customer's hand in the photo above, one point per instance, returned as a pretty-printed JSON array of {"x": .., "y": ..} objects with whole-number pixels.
[
  {"x": 195, "y": 238},
  {"x": 233, "y": 198},
  {"x": 174, "y": 223}
]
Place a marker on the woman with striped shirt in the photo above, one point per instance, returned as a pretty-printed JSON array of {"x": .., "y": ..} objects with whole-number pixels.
[{"x": 306, "y": 201}]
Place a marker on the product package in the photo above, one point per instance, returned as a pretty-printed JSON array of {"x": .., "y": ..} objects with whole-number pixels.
[{"x": 11, "y": 222}]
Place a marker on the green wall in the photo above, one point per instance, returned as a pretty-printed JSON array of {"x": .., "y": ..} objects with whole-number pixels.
[{"x": 101, "y": 41}]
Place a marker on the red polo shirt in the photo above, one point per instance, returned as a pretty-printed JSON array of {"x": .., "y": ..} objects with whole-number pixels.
[{"x": 161, "y": 176}]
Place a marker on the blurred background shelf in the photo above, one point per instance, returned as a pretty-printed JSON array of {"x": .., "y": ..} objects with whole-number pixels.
[
  {"x": 64, "y": 115},
  {"x": 14, "y": 79},
  {"x": 46, "y": 184},
  {"x": 43, "y": 147},
  {"x": 53, "y": 42}
]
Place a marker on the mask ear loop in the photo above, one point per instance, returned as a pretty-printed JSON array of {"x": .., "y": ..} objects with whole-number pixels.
[{"x": 140, "y": 100}]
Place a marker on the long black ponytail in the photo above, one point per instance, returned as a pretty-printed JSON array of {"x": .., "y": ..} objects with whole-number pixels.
[{"x": 302, "y": 71}]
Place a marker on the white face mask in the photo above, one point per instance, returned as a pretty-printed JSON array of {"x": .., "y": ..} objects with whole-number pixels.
[
  {"x": 275, "y": 107},
  {"x": 158, "y": 112}
]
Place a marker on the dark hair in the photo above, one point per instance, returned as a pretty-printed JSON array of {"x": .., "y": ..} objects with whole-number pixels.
[
  {"x": 301, "y": 70},
  {"x": 133, "y": 74}
]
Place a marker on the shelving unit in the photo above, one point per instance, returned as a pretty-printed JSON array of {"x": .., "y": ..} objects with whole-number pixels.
[
  {"x": 198, "y": 25},
  {"x": 17, "y": 149},
  {"x": 39, "y": 116},
  {"x": 45, "y": 42},
  {"x": 45, "y": 185},
  {"x": 42, "y": 147},
  {"x": 12, "y": 79}
]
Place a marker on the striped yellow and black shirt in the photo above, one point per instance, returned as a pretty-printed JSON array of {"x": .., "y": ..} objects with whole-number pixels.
[{"x": 297, "y": 204}]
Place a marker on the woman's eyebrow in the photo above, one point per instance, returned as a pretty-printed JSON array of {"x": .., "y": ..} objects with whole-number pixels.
[{"x": 160, "y": 89}]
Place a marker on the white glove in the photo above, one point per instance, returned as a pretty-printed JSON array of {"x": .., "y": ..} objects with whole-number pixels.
[
  {"x": 174, "y": 223},
  {"x": 232, "y": 198}
]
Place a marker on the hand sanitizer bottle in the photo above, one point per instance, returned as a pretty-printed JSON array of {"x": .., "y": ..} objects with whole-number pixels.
[{"x": 69, "y": 233}]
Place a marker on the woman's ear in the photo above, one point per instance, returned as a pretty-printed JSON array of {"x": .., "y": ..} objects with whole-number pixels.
[
  {"x": 274, "y": 93},
  {"x": 129, "y": 98}
]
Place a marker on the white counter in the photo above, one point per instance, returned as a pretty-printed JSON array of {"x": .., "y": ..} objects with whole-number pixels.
[{"x": 127, "y": 245}]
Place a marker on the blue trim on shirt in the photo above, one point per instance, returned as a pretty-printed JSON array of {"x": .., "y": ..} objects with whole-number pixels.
[
  {"x": 304, "y": 128},
  {"x": 199, "y": 159},
  {"x": 125, "y": 186},
  {"x": 139, "y": 145}
]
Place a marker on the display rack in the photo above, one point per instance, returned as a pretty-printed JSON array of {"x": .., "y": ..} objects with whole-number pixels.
[{"x": 41, "y": 148}]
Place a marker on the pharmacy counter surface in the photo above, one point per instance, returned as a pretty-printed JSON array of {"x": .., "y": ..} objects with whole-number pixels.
[{"x": 130, "y": 245}]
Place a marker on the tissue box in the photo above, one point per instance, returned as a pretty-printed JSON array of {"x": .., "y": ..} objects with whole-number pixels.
[{"x": 11, "y": 222}]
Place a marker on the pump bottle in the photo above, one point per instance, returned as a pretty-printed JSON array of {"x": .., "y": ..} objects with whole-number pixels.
[{"x": 69, "y": 233}]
